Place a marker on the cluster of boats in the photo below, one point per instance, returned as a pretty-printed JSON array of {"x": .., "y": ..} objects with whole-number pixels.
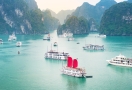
[{"x": 12, "y": 38}]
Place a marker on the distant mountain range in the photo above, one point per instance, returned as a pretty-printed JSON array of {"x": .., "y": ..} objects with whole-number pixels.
[
  {"x": 89, "y": 11},
  {"x": 86, "y": 10},
  {"x": 61, "y": 16}
]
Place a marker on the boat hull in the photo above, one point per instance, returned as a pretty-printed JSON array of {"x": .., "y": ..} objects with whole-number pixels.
[
  {"x": 73, "y": 72},
  {"x": 123, "y": 65}
]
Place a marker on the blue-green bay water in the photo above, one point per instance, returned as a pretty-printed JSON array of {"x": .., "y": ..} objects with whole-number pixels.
[{"x": 29, "y": 70}]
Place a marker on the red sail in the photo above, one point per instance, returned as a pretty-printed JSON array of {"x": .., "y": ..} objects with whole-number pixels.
[
  {"x": 75, "y": 63},
  {"x": 69, "y": 62}
]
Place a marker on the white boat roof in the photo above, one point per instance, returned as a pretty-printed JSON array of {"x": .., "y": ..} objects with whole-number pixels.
[{"x": 121, "y": 56}]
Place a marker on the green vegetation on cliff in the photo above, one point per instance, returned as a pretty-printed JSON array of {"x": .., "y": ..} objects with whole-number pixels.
[
  {"x": 17, "y": 16},
  {"x": 74, "y": 25},
  {"x": 117, "y": 20}
]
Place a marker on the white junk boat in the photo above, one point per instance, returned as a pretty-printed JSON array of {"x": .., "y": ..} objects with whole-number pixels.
[
  {"x": 93, "y": 47},
  {"x": 56, "y": 55},
  {"x": 120, "y": 60},
  {"x": 18, "y": 44},
  {"x": 72, "y": 69},
  {"x": 1, "y": 41}
]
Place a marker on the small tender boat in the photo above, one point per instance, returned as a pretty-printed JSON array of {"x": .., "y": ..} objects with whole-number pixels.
[
  {"x": 55, "y": 44},
  {"x": 78, "y": 43},
  {"x": 52, "y": 54},
  {"x": 1, "y": 41},
  {"x": 120, "y": 60},
  {"x": 72, "y": 69},
  {"x": 93, "y": 47},
  {"x": 18, "y": 44}
]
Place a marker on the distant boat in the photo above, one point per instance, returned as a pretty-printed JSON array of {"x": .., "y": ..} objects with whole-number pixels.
[
  {"x": 78, "y": 43},
  {"x": 52, "y": 54},
  {"x": 18, "y": 44},
  {"x": 12, "y": 37},
  {"x": 55, "y": 44},
  {"x": 72, "y": 69},
  {"x": 120, "y": 60},
  {"x": 65, "y": 35},
  {"x": 102, "y": 36},
  {"x": 93, "y": 47},
  {"x": 1, "y": 41},
  {"x": 70, "y": 39},
  {"x": 48, "y": 37}
]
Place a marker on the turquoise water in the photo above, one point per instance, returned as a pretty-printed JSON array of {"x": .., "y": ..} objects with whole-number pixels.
[{"x": 29, "y": 70}]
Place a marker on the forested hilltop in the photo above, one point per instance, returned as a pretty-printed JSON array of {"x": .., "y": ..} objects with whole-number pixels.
[
  {"x": 22, "y": 18},
  {"x": 117, "y": 20},
  {"x": 74, "y": 25}
]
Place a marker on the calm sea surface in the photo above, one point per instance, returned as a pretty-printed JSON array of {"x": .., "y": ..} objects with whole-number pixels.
[{"x": 29, "y": 70}]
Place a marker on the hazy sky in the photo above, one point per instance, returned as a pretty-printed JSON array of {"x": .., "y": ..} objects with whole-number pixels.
[{"x": 57, "y": 5}]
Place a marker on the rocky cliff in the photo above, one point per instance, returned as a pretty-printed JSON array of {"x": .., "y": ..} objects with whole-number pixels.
[{"x": 117, "y": 20}]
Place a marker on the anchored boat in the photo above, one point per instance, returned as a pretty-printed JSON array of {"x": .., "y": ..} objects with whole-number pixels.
[
  {"x": 12, "y": 37},
  {"x": 52, "y": 54},
  {"x": 48, "y": 37},
  {"x": 55, "y": 44},
  {"x": 120, "y": 60},
  {"x": 1, "y": 41},
  {"x": 72, "y": 69},
  {"x": 93, "y": 47},
  {"x": 18, "y": 44}
]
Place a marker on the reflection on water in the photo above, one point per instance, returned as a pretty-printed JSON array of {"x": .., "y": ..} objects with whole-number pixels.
[
  {"x": 74, "y": 83},
  {"x": 120, "y": 69}
]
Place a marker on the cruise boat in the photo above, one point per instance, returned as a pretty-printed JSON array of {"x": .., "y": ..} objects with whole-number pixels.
[
  {"x": 52, "y": 54},
  {"x": 1, "y": 41},
  {"x": 120, "y": 60},
  {"x": 55, "y": 44},
  {"x": 93, "y": 47},
  {"x": 72, "y": 69},
  {"x": 12, "y": 37},
  {"x": 18, "y": 44}
]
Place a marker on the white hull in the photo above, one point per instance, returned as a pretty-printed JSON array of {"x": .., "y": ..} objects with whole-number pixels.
[
  {"x": 75, "y": 72},
  {"x": 56, "y": 55},
  {"x": 1, "y": 41},
  {"x": 18, "y": 44},
  {"x": 117, "y": 64}
]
